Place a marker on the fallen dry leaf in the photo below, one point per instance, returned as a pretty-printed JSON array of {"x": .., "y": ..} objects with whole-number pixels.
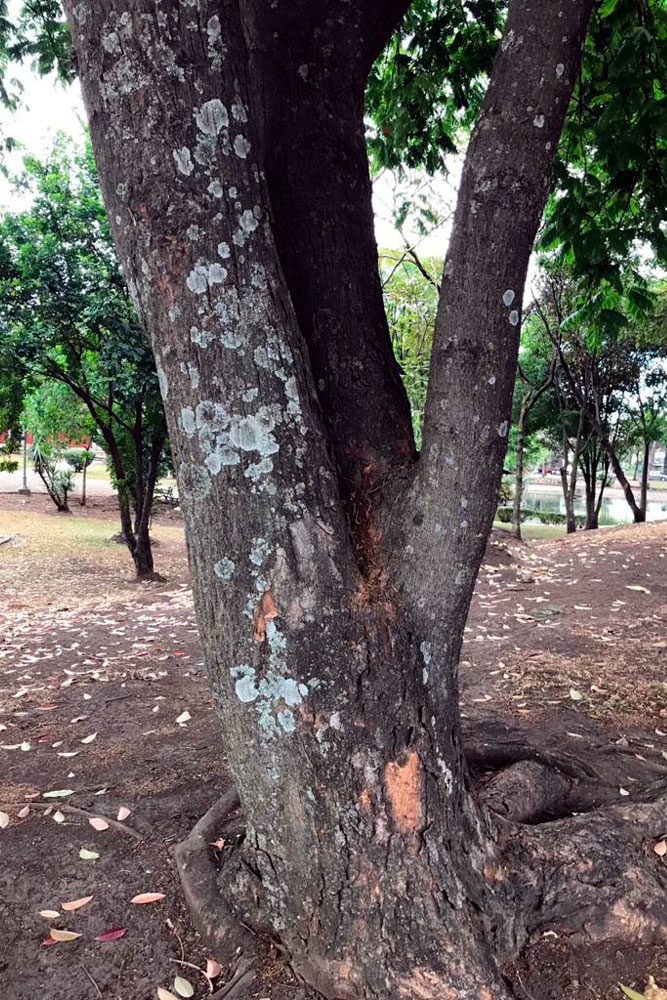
[
  {"x": 24, "y": 812},
  {"x": 49, "y": 914},
  {"x": 98, "y": 823},
  {"x": 661, "y": 848},
  {"x": 4, "y": 820},
  {"x": 74, "y": 904},
  {"x": 58, "y": 793},
  {"x": 147, "y": 897},
  {"x": 87, "y": 855},
  {"x": 123, "y": 813},
  {"x": 88, "y": 739},
  {"x": 213, "y": 968},
  {"x": 165, "y": 994},
  {"x": 59, "y": 935},
  {"x": 58, "y": 816}
]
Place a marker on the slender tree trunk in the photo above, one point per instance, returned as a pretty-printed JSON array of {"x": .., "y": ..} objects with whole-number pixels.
[
  {"x": 646, "y": 466},
  {"x": 83, "y": 485},
  {"x": 637, "y": 512},
  {"x": 589, "y": 472},
  {"x": 333, "y": 660},
  {"x": 569, "y": 482},
  {"x": 518, "y": 479},
  {"x": 143, "y": 554},
  {"x": 637, "y": 458}
]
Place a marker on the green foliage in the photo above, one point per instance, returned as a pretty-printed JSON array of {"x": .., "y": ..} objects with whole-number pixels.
[
  {"x": 611, "y": 172},
  {"x": 504, "y": 515},
  {"x": 425, "y": 89},
  {"x": 52, "y": 412}
]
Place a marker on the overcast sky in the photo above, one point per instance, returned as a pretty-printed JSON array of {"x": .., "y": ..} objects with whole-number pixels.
[{"x": 49, "y": 108}]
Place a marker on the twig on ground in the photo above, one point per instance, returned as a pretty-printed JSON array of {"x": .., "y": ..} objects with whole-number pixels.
[
  {"x": 99, "y": 991},
  {"x": 112, "y": 822},
  {"x": 176, "y": 935}
]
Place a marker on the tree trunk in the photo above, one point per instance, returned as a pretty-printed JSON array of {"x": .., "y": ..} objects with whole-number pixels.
[
  {"x": 83, "y": 485},
  {"x": 646, "y": 465},
  {"x": 637, "y": 512},
  {"x": 518, "y": 479},
  {"x": 589, "y": 472},
  {"x": 569, "y": 483},
  {"x": 332, "y": 572},
  {"x": 664, "y": 461},
  {"x": 143, "y": 553}
]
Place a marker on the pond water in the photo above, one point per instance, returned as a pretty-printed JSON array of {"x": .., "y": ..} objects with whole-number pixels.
[{"x": 614, "y": 509}]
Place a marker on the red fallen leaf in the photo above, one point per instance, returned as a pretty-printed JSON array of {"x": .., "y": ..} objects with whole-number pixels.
[
  {"x": 179, "y": 652},
  {"x": 112, "y": 934},
  {"x": 49, "y": 940}
]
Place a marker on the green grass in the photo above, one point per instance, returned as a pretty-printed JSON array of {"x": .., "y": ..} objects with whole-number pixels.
[{"x": 534, "y": 531}]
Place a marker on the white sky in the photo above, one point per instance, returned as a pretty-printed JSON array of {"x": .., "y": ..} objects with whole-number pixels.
[{"x": 49, "y": 108}]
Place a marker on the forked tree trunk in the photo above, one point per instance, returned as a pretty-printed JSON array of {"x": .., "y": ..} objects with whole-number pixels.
[{"x": 333, "y": 572}]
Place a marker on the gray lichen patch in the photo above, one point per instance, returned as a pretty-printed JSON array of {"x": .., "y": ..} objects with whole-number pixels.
[{"x": 212, "y": 117}]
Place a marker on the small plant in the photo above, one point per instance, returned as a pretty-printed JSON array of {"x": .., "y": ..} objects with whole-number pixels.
[{"x": 59, "y": 482}]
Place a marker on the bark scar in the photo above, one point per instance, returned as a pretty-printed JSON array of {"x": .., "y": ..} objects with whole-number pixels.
[
  {"x": 264, "y": 612},
  {"x": 403, "y": 781}
]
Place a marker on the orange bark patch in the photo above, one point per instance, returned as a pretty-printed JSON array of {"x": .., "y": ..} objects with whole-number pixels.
[
  {"x": 494, "y": 873},
  {"x": 403, "y": 782},
  {"x": 424, "y": 984},
  {"x": 365, "y": 799},
  {"x": 263, "y": 613}
]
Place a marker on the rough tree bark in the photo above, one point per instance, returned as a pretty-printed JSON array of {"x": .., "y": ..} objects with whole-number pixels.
[{"x": 333, "y": 571}]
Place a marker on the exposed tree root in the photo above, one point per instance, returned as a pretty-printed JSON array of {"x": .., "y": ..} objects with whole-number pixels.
[
  {"x": 194, "y": 857},
  {"x": 591, "y": 879}
]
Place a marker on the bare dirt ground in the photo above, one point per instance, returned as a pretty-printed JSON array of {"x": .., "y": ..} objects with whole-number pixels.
[{"x": 104, "y": 707}]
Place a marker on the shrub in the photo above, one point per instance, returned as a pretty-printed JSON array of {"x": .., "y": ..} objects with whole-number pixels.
[
  {"x": 504, "y": 515},
  {"x": 78, "y": 458}
]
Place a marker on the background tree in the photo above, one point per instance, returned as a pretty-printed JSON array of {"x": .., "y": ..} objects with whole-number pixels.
[
  {"x": 66, "y": 317},
  {"x": 411, "y": 299},
  {"x": 536, "y": 372},
  {"x": 649, "y": 404}
]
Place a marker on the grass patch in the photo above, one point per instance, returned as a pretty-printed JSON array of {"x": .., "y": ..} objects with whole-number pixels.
[
  {"x": 534, "y": 531},
  {"x": 64, "y": 557}
]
